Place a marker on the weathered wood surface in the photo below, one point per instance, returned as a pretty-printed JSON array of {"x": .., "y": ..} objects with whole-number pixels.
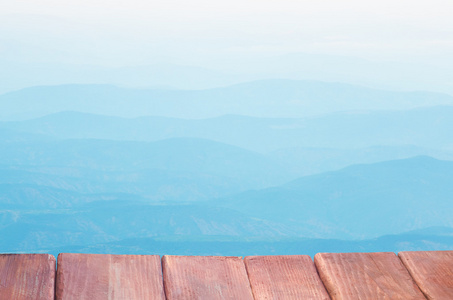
[
  {"x": 366, "y": 276},
  {"x": 432, "y": 271},
  {"x": 284, "y": 277},
  {"x": 205, "y": 277},
  {"x": 102, "y": 276},
  {"x": 27, "y": 276}
]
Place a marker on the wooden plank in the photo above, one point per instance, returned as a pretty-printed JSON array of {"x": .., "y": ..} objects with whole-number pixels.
[
  {"x": 284, "y": 277},
  {"x": 103, "y": 276},
  {"x": 432, "y": 271},
  {"x": 366, "y": 276},
  {"x": 205, "y": 277},
  {"x": 27, "y": 276}
]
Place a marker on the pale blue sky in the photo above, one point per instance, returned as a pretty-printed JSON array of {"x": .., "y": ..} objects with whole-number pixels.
[
  {"x": 402, "y": 45},
  {"x": 141, "y": 32}
]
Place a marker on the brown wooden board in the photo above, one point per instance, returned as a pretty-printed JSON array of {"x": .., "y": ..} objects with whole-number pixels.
[
  {"x": 432, "y": 271},
  {"x": 284, "y": 277},
  {"x": 205, "y": 277},
  {"x": 103, "y": 276},
  {"x": 27, "y": 276},
  {"x": 366, "y": 276}
]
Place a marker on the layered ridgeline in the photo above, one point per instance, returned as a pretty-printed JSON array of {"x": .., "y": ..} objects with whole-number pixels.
[
  {"x": 301, "y": 146},
  {"x": 80, "y": 180},
  {"x": 266, "y": 98},
  {"x": 428, "y": 127},
  {"x": 362, "y": 201},
  {"x": 229, "y": 70},
  {"x": 181, "y": 169}
]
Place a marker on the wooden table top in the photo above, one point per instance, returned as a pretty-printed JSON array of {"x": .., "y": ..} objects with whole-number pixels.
[{"x": 383, "y": 275}]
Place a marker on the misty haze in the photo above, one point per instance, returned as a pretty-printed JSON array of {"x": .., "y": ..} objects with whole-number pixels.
[{"x": 251, "y": 128}]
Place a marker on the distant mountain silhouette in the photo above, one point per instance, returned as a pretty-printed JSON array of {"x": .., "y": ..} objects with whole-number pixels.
[
  {"x": 428, "y": 127},
  {"x": 266, "y": 98},
  {"x": 312, "y": 160}
]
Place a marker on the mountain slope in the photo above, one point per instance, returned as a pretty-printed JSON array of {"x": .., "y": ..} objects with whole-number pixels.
[
  {"x": 181, "y": 154},
  {"x": 361, "y": 200},
  {"x": 172, "y": 170},
  {"x": 106, "y": 221}
]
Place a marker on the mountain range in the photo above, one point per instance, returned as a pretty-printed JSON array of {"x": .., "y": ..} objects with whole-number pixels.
[
  {"x": 428, "y": 127},
  {"x": 357, "y": 202},
  {"x": 432, "y": 75},
  {"x": 265, "y": 98},
  {"x": 276, "y": 164}
]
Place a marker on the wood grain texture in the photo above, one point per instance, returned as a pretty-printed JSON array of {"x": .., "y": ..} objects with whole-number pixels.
[
  {"x": 366, "y": 276},
  {"x": 102, "y": 276},
  {"x": 284, "y": 277},
  {"x": 432, "y": 271},
  {"x": 27, "y": 276},
  {"x": 205, "y": 277}
]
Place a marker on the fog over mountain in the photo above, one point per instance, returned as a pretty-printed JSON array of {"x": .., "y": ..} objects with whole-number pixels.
[
  {"x": 362, "y": 201},
  {"x": 266, "y": 127},
  {"x": 428, "y": 127},
  {"x": 388, "y": 74},
  {"x": 268, "y": 98},
  {"x": 100, "y": 179}
]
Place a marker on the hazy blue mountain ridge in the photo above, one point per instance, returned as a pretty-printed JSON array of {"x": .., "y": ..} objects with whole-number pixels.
[
  {"x": 221, "y": 246},
  {"x": 427, "y": 127},
  {"x": 91, "y": 225},
  {"x": 266, "y": 98},
  {"x": 169, "y": 76},
  {"x": 360, "y": 201},
  {"x": 320, "y": 160},
  {"x": 227, "y": 71},
  {"x": 168, "y": 170},
  {"x": 379, "y": 74},
  {"x": 105, "y": 221},
  {"x": 104, "y": 181},
  {"x": 226, "y": 128}
]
